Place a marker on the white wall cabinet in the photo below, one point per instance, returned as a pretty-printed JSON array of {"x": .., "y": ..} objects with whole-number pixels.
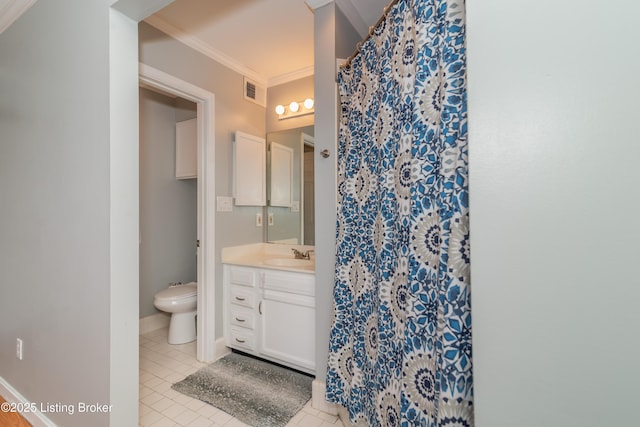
[
  {"x": 187, "y": 149},
  {"x": 271, "y": 314},
  {"x": 249, "y": 170}
]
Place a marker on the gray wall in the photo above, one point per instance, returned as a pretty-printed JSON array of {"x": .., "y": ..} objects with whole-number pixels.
[
  {"x": 554, "y": 149},
  {"x": 55, "y": 206},
  {"x": 168, "y": 206},
  {"x": 232, "y": 113},
  {"x": 334, "y": 38}
]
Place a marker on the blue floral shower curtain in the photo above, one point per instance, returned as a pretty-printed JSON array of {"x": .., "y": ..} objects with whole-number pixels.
[{"x": 400, "y": 342}]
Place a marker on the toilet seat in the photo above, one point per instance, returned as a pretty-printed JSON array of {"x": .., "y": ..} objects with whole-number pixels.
[{"x": 174, "y": 293}]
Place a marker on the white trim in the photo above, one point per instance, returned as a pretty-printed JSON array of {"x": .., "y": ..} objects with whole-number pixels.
[
  {"x": 11, "y": 395},
  {"x": 291, "y": 76},
  {"x": 316, "y": 4},
  {"x": 205, "y": 101},
  {"x": 318, "y": 401},
  {"x": 12, "y": 10},
  {"x": 154, "y": 322}
]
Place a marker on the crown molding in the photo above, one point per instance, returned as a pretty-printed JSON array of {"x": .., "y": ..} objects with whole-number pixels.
[
  {"x": 139, "y": 9},
  {"x": 202, "y": 47},
  {"x": 289, "y": 77},
  {"x": 316, "y": 4},
  {"x": 224, "y": 59},
  {"x": 11, "y": 10}
]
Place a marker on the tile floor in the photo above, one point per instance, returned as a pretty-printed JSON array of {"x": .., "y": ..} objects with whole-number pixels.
[{"x": 162, "y": 364}]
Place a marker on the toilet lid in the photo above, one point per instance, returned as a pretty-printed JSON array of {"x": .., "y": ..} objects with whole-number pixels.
[{"x": 180, "y": 291}]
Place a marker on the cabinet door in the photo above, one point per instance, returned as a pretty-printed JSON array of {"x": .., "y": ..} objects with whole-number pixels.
[
  {"x": 187, "y": 149},
  {"x": 288, "y": 329},
  {"x": 249, "y": 170}
]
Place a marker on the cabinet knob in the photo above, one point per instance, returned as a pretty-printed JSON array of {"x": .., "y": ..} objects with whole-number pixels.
[
  {"x": 240, "y": 320},
  {"x": 240, "y": 341},
  {"x": 240, "y": 298}
]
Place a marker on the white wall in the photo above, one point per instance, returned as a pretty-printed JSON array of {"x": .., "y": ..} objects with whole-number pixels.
[{"x": 554, "y": 149}]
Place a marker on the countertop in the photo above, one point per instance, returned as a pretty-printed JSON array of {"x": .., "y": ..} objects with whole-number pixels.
[{"x": 270, "y": 255}]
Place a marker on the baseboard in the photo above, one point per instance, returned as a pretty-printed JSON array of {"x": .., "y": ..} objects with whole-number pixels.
[
  {"x": 221, "y": 348},
  {"x": 154, "y": 322},
  {"x": 318, "y": 401},
  {"x": 11, "y": 395}
]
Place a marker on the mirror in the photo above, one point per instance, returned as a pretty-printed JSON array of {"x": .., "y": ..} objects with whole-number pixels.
[{"x": 290, "y": 187}]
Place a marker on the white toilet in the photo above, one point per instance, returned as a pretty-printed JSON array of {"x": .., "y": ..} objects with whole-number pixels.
[{"x": 181, "y": 302}]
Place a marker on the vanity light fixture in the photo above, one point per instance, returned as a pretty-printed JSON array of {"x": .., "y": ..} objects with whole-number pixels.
[
  {"x": 295, "y": 109},
  {"x": 308, "y": 103}
]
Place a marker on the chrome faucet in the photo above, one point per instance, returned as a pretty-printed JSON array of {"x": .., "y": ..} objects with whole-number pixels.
[{"x": 301, "y": 255}]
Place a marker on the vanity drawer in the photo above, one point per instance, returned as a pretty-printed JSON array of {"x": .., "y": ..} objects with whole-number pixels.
[
  {"x": 241, "y": 339},
  {"x": 242, "y": 276},
  {"x": 243, "y": 317},
  {"x": 296, "y": 283},
  {"x": 242, "y": 296}
]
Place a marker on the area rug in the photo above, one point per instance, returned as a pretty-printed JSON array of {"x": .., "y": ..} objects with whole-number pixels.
[{"x": 256, "y": 392}]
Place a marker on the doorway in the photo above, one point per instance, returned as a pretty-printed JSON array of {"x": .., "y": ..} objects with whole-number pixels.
[{"x": 155, "y": 79}]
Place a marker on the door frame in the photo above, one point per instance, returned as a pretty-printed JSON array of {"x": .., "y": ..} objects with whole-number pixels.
[{"x": 205, "y": 102}]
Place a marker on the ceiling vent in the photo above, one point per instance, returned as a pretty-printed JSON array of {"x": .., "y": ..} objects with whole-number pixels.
[{"x": 254, "y": 92}]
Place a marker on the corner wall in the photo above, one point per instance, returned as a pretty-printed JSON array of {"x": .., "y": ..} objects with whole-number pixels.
[
  {"x": 55, "y": 206},
  {"x": 334, "y": 38}
]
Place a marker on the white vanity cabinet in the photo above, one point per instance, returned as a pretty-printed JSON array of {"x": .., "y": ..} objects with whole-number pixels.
[
  {"x": 241, "y": 304},
  {"x": 271, "y": 314}
]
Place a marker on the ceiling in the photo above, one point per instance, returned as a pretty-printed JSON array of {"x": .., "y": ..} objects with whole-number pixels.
[{"x": 270, "y": 41}]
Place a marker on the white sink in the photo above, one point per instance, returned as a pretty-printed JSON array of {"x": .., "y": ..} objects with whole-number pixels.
[{"x": 289, "y": 262}]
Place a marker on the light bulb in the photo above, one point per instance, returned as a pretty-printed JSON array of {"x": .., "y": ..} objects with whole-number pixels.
[
  {"x": 308, "y": 103},
  {"x": 294, "y": 107},
  {"x": 279, "y": 110}
]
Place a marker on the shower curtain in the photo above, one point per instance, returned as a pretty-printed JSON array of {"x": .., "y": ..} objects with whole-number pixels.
[{"x": 400, "y": 340}]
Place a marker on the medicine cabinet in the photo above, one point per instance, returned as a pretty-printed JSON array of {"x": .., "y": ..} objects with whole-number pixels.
[{"x": 249, "y": 170}]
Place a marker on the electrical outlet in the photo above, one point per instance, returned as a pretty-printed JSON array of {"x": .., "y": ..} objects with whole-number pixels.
[
  {"x": 258, "y": 219},
  {"x": 19, "y": 348}
]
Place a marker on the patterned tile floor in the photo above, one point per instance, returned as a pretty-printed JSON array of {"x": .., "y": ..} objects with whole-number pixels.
[{"x": 162, "y": 364}]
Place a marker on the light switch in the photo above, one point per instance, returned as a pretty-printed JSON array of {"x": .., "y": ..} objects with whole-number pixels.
[{"x": 224, "y": 204}]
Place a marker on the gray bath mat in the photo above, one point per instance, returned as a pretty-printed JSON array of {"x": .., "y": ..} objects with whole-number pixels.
[{"x": 257, "y": 393}]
